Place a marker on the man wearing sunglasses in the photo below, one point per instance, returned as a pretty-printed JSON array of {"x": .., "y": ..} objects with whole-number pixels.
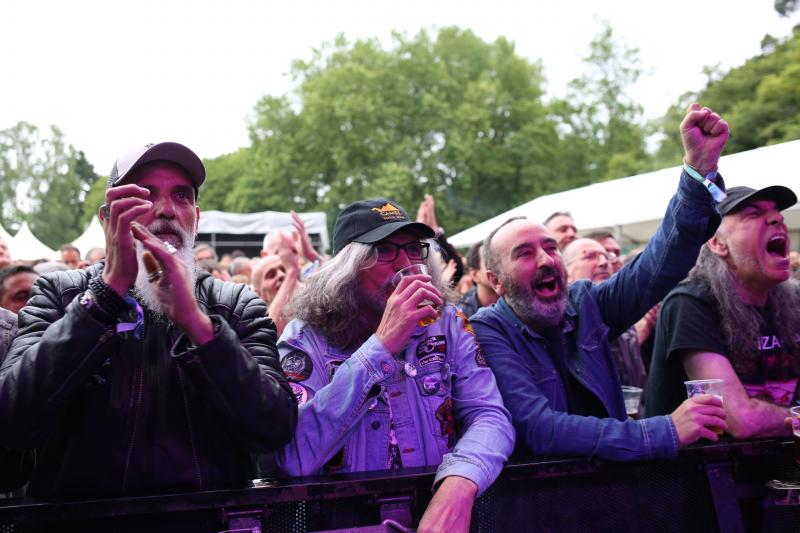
[{"x": 377, "y": 389}]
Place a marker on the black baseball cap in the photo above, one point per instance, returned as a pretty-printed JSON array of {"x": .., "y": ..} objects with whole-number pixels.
[
  {"x": 165, "y": 151},
  {"x": 739, "y": 197},
  {"x": 369, "y": 221}
]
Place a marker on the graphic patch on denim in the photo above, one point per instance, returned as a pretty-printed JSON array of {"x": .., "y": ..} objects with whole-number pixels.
[
  {"x": 297, "y": 365},
  {"x": 447, "y": 421}
]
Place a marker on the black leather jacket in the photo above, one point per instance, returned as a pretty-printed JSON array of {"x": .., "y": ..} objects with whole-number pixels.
[{"x": 116, "y": 415}]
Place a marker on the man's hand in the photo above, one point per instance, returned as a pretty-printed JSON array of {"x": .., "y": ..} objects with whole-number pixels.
[
  {"x": 427, "y": 212},
  {"x": 305, "y": 246},
  {"x": 403, "y": 312},
  {"x": 697, "y": 418},
  {"x": 288, "y": 254},
  {"x": 704, "y": 135},
  {"x": 174, "y": 290},
  {"x": 449, "y": 271},
  {"x": 126, "y": 203},
  {"x": 450, "y": 510},
  {"x": 645, "y": 326}
]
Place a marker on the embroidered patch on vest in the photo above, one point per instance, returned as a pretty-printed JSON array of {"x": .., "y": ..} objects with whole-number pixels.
[
  {"x": 297, "y": 365},
  {"x": 432, "y": 349},
  {"x": 300, "y": 393},
  {"x": 332, "y": 366},
  {"x": 447, "y": 421}
]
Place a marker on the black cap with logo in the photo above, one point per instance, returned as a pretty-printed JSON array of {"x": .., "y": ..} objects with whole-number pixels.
[
  {"x": 739, "y": 197},
  {"x": 369, "y": 221}
]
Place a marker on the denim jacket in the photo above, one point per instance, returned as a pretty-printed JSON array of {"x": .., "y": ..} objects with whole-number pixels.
[
  {"x": 449, "y": 414},
  {"x": 529, "y": 381}
]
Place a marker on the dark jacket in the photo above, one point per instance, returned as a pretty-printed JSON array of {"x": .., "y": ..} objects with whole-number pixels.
[
  {"x": 115, "y": 415},
  {"x": 15, "y": 465}
]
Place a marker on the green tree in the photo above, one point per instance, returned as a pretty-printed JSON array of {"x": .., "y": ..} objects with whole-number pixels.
[
  {"x": 760, "y": 100},
  {"x": 447, "y": 114},
  {"x": 601, "y": 124},
  {"x": 43, "y": 181},
  {"x": 785, "y": 7}
]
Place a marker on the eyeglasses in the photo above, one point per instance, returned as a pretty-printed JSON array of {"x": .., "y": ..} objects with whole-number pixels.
[
  {"x": 593, "y": 255},
  {"x": 387, "y": 251}
]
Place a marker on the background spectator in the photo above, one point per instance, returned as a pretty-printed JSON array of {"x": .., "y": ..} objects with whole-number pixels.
[
  {"x": 562, "y": 228},
  {"x": 15, "y": 286},
  {"x": 71, "y": 256}
]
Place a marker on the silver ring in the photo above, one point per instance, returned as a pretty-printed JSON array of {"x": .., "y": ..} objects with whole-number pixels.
[
  {"x": 155, "y": 276},
  {"x": 171, "y": 249}
]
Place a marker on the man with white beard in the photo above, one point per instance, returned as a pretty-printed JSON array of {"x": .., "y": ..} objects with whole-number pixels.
[{"x": 139, "y": 373}]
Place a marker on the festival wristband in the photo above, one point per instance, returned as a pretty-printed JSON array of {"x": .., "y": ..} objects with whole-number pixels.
[{"x": 707, "y": 181}]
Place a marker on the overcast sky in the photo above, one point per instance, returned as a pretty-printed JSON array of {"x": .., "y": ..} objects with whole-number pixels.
[{"x": 117, "y": 73}]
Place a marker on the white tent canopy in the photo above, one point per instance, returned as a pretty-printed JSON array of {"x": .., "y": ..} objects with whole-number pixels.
[
  {"x": 634, "y": 206},
  {"x": 262, "y": 223},
  {"x": 92, "y": 237},
  {"x": 26, "y": 246},
  {"x": 6, "y": 236}
]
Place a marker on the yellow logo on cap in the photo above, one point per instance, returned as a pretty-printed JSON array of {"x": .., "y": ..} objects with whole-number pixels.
[{"x": 389, "y": 212}]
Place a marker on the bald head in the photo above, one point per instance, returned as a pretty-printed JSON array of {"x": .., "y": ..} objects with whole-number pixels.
[
  {"x": 268, "y": 276},
  {"x": 274, "y": 240},
  {"x": 586, "y": 259}
]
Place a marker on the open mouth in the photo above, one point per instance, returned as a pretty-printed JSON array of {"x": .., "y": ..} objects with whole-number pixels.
[
  {"x": 778, "y": 246},
  {"x": 172, "y": 238},
  {"x": 547, "y": 287}
]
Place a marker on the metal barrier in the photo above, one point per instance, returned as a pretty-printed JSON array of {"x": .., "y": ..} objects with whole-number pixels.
[{"x": 724, "y": 487}]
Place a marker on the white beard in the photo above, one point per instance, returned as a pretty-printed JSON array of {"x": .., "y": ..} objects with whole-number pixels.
[{"x": 144, "y": 290}]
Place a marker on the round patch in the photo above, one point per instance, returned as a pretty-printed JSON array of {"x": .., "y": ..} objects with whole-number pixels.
[
  {"x": 300, "y": 393},
  {"x": 431, "y": 384},
  {"x": 332, "y": 366},
  {"x": 297, "y": 365}
]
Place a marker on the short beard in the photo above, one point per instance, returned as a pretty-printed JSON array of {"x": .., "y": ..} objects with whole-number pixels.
[
  {"x": 532, "y": 311},
  {"x": 144, "y": 290}
]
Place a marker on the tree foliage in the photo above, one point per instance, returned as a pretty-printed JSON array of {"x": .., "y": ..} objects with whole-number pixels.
[
  {"x": 447, "y": 114},
  {"x": 602, "y": 124},
  {"x": 43, "y": 181},
  {"x": 760, "y": 100}
]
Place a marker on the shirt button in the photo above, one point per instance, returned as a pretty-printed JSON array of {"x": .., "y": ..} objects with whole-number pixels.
[{"x": 376, "y": 424}]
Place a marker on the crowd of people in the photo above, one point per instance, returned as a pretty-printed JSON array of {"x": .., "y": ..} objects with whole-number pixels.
[{"x": 156, "y": 365}]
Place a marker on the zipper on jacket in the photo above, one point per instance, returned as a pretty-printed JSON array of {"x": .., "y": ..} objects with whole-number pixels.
[
  {"x": 199, "y": 477},
  {"x": 138, "y": 409}
]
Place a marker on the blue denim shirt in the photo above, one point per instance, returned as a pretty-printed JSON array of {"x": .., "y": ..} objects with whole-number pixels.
[
  {"x": 529, "y": 381},
  {"x": 450, "y": 414}
]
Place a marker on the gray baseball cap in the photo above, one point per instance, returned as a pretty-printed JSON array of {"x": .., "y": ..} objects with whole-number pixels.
[{"x": 165, "y": 151}]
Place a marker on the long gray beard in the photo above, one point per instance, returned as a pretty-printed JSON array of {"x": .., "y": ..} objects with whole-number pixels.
[{"x": 145, "y": 291}]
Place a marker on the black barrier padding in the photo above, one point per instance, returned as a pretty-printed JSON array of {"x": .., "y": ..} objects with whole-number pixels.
[{"x": 659, "y": 495}]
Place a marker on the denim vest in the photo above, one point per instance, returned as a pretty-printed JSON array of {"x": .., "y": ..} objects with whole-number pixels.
[
  {"x": 449, "y": 413},
  {"x": 528, "y": 379}
]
